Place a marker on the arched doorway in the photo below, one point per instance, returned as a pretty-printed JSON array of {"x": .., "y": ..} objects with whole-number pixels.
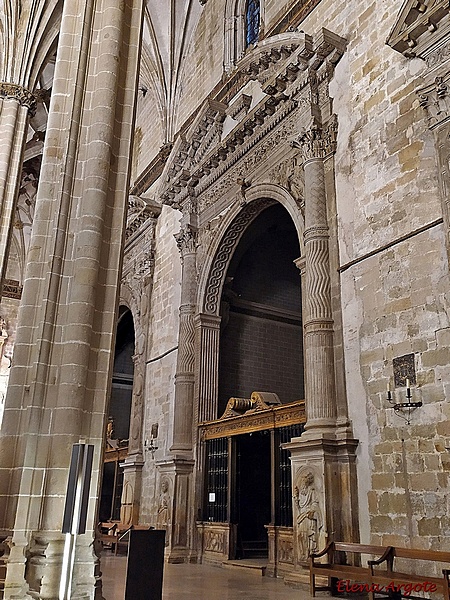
[
  {"x": 119, "y": 418},
  {"x": 248, "y": 481}
]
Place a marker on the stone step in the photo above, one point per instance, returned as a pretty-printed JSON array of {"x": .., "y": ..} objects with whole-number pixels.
[{"x": 252, "y": 565}]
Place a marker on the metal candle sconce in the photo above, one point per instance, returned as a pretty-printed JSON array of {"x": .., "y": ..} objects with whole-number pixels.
[
  {"x": 153, "y": 435},
  {"x": 403, "y": 409}
]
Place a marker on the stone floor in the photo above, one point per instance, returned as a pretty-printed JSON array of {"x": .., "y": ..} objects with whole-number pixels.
[{"x": 201, "y": 582}]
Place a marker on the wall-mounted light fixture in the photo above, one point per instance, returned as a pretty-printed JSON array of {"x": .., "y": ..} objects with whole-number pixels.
[
  {"x": 403, "y": 409},
  {"x": 150, "y": 446}
]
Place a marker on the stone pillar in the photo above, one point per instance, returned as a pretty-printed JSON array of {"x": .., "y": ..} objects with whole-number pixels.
[
  {"x": 60, "y": 380},
  {"x": 16, "y": 104},
  {"x": 320, "y": 389},
  {"x": 133, "y": 463}
]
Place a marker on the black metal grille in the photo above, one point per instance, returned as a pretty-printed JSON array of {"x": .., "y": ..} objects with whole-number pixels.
[
  {"x": 217, "y": 482},
  {"x": 284, "y": 488}
]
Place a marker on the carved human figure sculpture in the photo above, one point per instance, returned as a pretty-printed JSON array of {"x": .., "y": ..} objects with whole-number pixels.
[{"x": 309, "y": 517}]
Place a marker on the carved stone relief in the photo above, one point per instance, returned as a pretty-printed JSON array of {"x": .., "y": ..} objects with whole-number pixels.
[
  {"x": 164, "y": 507},
  {"x": 310, "y": 528}
]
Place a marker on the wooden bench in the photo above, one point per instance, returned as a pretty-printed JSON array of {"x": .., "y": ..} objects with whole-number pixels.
[
  {"x": 337, "y": 568},
  {"x": 401, "y": 583},
  {"x": 108, "y": 535},
  {"x": 113, "y": 534},
  {"x": 381, "y": 575}
]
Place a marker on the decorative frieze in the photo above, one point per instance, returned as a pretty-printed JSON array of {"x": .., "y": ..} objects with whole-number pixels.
[
  {"x": 262, "y": 416},
  {"x": 294, "y": 74},
  {"x": 12, "y": 91},
  {"x": 225, "y": 251}
]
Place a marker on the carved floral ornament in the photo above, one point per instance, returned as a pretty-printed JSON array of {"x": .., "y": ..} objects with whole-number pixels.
[
  {"x": 318, "y": 142},
  {"x": 435, "y": 99},
  {"x": 11, "y": 91},
  {"x": 293, "y": 71}
]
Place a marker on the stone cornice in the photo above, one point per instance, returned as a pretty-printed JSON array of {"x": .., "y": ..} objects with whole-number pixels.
[
  {"x": 420, "y": 27},
  {"x": 140, "y": 210},
  {"x": 24, "y": 97},
  {"x": 290, "y": 77}
]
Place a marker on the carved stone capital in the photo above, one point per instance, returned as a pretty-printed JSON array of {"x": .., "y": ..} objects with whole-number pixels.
[
  {"x": 12, "y": 91},
  {"x": 435, "y": 99},
  {"x": 186, "y": 240},
  {"x": 317, "y": 142}
]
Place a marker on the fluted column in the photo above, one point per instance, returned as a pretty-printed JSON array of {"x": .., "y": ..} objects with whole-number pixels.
[
  {"x": 16, "y": 105},
  {"x": 184, "y": 379},
  {"x": 320, "y": 390},
  {"x": 60, "y": 380}
]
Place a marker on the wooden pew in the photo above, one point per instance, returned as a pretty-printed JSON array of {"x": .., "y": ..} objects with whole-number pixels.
[
  {"x": 404, "y": 580},
  {"x": 338, "y": 567}
]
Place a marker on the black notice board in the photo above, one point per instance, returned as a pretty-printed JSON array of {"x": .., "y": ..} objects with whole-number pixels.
[{"x": 145, "y": 564}]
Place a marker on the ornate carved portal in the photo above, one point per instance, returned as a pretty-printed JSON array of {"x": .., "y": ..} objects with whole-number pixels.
[{"x": 234, "y": 161}]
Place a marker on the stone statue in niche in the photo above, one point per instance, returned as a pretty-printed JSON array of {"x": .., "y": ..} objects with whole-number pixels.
[{"x": 310, "y": 526}]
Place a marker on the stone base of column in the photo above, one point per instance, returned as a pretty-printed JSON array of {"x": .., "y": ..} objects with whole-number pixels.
[
  {"x": 176, "y": 482},
  {"x": 132, "y": 486},
  {"x": 325, "y": 503},
  {"x": 34, "y": 569}
]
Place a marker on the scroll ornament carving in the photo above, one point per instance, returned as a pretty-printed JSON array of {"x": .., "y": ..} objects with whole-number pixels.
[
  {"x": 435, "y": 99},
  {"x": 12, "y": 91},
  {"x": 214, "y": 541},
  {"x": 317, "y": 142},
  {"x": 225, "y": 250}
]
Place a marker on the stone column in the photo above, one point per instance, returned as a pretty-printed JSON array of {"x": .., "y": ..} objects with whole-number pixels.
[
  {"x": 184, "y": 379},
  {"x": 207, "y": 379},
  {"x": 206, "y": 391},
  {"x": 323, "y": 458},
  {"x": 16, "y": 104},
  {"x": 320, "y": 389},
  {"x": 60, "y": 381}
]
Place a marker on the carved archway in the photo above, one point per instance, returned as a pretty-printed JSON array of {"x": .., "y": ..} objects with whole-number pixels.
[{"x": 207, "y": 322}]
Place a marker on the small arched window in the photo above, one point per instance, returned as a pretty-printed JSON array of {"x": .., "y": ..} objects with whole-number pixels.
[
  {"x": 252, "y": 19},
  {"x": 243, "y": 24}
]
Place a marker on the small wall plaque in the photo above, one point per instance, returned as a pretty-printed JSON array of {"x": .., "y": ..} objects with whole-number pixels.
[{"x": 404, "y": 368}]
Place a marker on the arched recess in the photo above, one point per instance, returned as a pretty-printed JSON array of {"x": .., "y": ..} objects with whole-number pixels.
[
  {"x": 258, "y": 198},
  {"x": 117, "y": 434}
]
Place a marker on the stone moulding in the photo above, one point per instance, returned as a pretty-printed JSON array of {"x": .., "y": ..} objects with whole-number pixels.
[
  {"x": 225, "y": 251},
  {"x": 435, "y": 99}
]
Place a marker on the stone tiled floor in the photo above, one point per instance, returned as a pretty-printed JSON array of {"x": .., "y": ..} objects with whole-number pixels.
[{"x": 201, "y": 582}]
